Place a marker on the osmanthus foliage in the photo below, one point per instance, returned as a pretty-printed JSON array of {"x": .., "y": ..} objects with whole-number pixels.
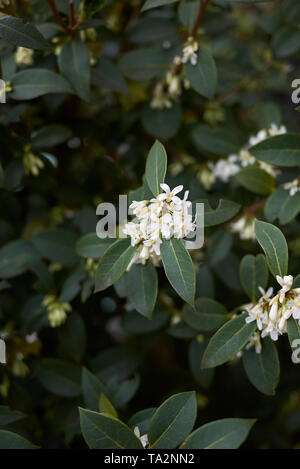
[{"x": 144, "y": 339}]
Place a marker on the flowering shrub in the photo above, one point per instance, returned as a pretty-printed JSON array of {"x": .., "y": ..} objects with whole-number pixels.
[{"x": 145, "y": 338}]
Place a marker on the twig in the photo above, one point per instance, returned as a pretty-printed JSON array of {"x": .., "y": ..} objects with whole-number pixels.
[
  {"x": 58, "y": 17},
  {"x": 202, "y": 8},
  {"x": 72, "y": 14},
  {"x": 251, "y": 211}
]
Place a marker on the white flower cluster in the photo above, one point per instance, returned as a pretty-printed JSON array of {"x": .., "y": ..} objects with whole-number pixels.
[
  {"x": 24, "y": 56},
  {"x": 224, "y": 169},
  {"x": 165, "y": 216},
  {"x": 272, "y": 312},
  {"x": 245, "y": 227},
  {"x": 4, "y": 3}
]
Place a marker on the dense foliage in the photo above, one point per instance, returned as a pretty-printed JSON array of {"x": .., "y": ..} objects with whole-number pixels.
[{"x": 138, "y": 341}]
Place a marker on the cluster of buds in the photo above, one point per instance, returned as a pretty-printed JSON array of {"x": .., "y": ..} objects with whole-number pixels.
[
  {"x": 24, "y": 56},
  {"x": 272, "y": 312},
  {"x": 32, "y": 163},
  {"x": 165, "y": 216},
  {"x": 168, "y": 89},
  {"x": 91, "y": 266},
  {"x": 57, "y": 312},
  {"x": 225, "y": 169}
]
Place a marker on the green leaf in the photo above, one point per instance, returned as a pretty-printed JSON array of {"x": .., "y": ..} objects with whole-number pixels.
[
  {"x": 101, "y": 431},
  {"x": 253, "y": 274},
  {"x": 286, "y": 41},
  {"x": 283, "y": 206},
  {"x": 219, "y": 247},
  {"x": 16, "y": 257},
  {"x": 74, "y": 64},
  {"x": 106, "y": 407},
  {"x": 263, "y": 368},
  {"x": 173, "y": 421},
  {"x": 125, "y": 391},
  {"x": 49, "y": 136},
  {"x": 156, "y": 3},
  {"x": 143, "y": 64},
  {"x": 134, "y": 323},
  {"x": 187, "y": 12},
  {"x": 255, "y": 180},
  {"x": 30, "y": 84},
  {"x": 274, "y": 245},
  {"x": 8, "y": 416},
  {"x": 208, "y": 315},
  {"x": 91, "y": 246},
  {"x": 225, "y": 211},
  {"x": 162, "y": 123},
  {"x": 179, "y": 268},
  {"x": 228, "y": 341},
  {"x": 196, "y": 351},
  {"x": 141, "y": 283},
  {"x": 107, "y": 75},
  {"x": 203, "y": 76},
  {"x": 217, "y": 140},
  {"x": 19, "y": 33},
  {"x": 92, "y": 389},
  {"x": 281, "y": 150},
  {"x": 9, "y": 440},
  {"x": 113, "y": 263},
  {"x": 142, "y": 420},
  {"x": 59, "y": 376},
  {"x": 57, "y": 245},
  {"x": 156, "y": 167},
  {"x": 221, "y": 434}
]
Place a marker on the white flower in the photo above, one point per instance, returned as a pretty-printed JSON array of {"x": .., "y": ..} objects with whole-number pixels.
[
  {"x": 275, "y": 130},
  {"x": 4, "y": 3},
  {"x": 207, "y": 178},
  {"x": 265, "y": 295},
  {"x": 295, "y": 308},
  {"x": 286, "y": 283},
  {"x": 270, "y": 169},
  {"x": 245, "y": 227},
  {"x": 189, "y": 51},
  {"x": 170, "y": 195},
  {"x": 256, "y": 313},
  {"x": 255, "y": 139},
  {"x": 24, "y": 56},
  {"x": 246, "y": 158},
  {"x": 293, "y": 187},
  {"x": 225, "y": 169},
  {"x": 143, "y": 439},
  {"x": 174, "y": 84},
  {"x": 256, "y": 342}
]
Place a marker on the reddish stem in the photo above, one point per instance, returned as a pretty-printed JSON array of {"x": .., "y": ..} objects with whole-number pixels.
[
  {"x": 202, "y": 8},
  {"x": 58, "y": 17}
]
